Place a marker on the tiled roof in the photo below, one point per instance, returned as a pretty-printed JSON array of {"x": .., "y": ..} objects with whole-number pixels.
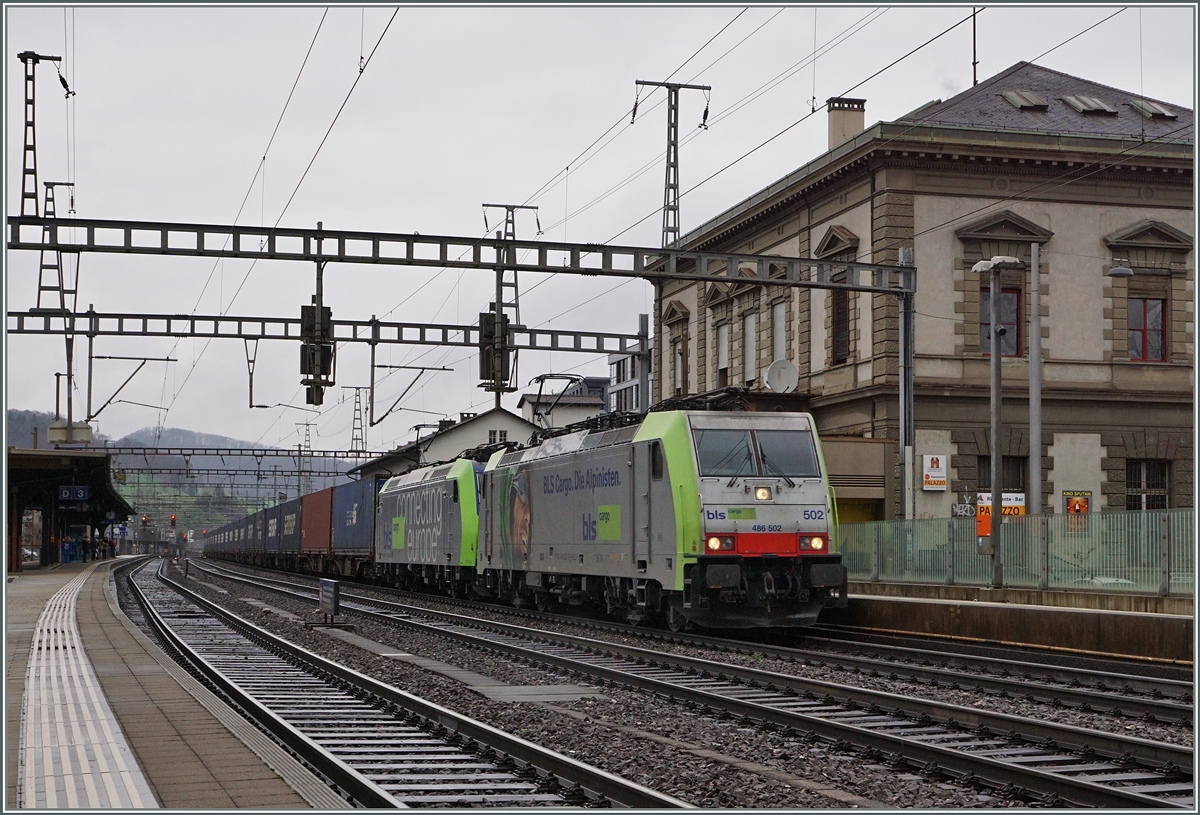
[{"x": 985, "y": 106}]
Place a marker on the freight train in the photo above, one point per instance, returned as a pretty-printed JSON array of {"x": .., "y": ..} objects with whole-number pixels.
[{"x": 717, "y": 519}]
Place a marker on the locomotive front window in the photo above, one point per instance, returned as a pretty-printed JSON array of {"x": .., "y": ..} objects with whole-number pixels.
[
  {"x": 724, "y": 452},
  {"x": 788, "y": 452}
]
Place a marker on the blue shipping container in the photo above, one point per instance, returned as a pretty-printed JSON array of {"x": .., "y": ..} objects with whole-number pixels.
[
  {"x": 354, "y": 516},
  {"x": 289, "y": 522},
  {"x": 271, "y": 529},
  {"x": 254, "y": 532}
]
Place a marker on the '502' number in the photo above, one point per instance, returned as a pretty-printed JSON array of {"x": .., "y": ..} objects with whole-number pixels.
[{"x": 814, "y": 515}]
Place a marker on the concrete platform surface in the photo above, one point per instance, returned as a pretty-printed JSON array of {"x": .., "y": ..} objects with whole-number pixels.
[{"x": 186, "y": 756}]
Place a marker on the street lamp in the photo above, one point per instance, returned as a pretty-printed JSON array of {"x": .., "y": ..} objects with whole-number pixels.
[{"x": 995, "y": 267}]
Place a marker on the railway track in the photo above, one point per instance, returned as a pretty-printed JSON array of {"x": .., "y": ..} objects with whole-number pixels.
[
  {"x": 379, "y": 746},
  {"x": 1108, "y": 691},
  {"x": 956, "y": 648},
  {"x": 1032, "y": 760}
]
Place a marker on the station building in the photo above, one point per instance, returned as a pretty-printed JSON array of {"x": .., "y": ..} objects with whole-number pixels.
[{"x": 1098, "y": 177}]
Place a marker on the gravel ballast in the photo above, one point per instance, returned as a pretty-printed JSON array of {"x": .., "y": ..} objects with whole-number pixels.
[{"x": 697, "y": 758}]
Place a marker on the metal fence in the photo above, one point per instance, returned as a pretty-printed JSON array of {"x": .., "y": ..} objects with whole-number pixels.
[{"x": 1141, "y": 552}]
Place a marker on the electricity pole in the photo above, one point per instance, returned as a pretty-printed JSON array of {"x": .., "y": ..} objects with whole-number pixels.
[
  {"x": 671, "y": 191},
  {"x": 670, "y": 230}
]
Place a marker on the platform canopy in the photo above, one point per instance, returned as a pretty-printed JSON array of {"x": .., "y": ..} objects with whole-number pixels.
[{"x": 70, "y": 487}]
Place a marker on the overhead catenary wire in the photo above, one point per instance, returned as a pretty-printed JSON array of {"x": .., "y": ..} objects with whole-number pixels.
[
  {"x": 567, "y": 169},
  {"x": 299, "y": 183},
  {"x": 577, "y": 163},
  {"x": 752, "y": 96},
  {"x": 219, "y": 263},
  {"x": 957, "y": 218},
  {"x": 849, "y": 31}
]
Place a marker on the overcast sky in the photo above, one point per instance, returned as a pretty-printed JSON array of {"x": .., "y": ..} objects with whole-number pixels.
[{"x": 456, "y": 107}]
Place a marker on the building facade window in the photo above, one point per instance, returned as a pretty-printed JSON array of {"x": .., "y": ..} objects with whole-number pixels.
[
  {"x": 624, "y": 400},
  {"x": 1147, "y": 332},
  {"x": 723, "y": 355},
  {"x": 1010, "y": 311},
  {"x": 495, "y": 436},
  {"x": 750, "y": 347},
  {"x": 1013, "y": 472},
  {"x": 677, "y": 366},
  {"x": 779, "y": 331},
  {"x": 841, "y": 325},
  {"x": 1146, "y": 484}
]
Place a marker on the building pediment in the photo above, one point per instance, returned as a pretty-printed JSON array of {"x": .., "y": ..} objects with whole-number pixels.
[
  {"x": 837, "y": 239},
  {"x": 675, "y": 312},
  {"x": 1006, "y": 225},
  {"x": 715, "y": 293},
  {"x": 1150, "y": 234}
]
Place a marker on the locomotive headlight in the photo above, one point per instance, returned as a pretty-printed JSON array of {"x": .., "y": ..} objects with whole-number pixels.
[
  {"x": 762, "y": 493},
  {"x": 813, "y": 543},
  {"x": 714, "y": 544},
  {"x": 722, "y": 544}
]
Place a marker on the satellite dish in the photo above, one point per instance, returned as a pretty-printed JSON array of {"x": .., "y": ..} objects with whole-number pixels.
[{"x": 782, "y": 376}]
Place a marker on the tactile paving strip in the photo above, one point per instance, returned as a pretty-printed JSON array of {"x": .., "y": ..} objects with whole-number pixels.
[{"x": 73, "y": 754}]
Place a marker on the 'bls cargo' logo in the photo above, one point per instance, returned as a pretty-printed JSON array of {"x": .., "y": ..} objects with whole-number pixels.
[
  {"x": 714, "y": 514},
  {"x": 589, "y": 527}
]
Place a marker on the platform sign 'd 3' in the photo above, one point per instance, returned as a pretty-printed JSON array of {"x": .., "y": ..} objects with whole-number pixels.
[
  {"x": 1011, "y": 503},
  {"x": 72, "y": 493}
]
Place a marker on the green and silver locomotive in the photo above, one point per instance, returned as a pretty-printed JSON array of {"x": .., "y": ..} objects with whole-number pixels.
[{"x": 722, "y": 519}]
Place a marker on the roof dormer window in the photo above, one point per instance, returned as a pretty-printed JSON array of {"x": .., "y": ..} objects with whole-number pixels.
[
  {"x": 1026, "y": 100},
  {"x": 1089, "y": 104},
  {"x": 1151, "y": 110}
]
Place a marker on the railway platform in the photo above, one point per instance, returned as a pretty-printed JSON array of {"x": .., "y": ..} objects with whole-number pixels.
[
  {"x": 1135, "y": 626},
  {"x": 97, "y": 716}
]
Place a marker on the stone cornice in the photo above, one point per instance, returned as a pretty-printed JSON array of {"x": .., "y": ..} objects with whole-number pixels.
[{"x": 895, "y": 145}]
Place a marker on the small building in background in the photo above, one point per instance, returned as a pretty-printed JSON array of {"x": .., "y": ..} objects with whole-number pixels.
[
  {"x": 448, "y": 439},
  {"x": 624, "y": 388},
  {"x": 580, "y": 400}
]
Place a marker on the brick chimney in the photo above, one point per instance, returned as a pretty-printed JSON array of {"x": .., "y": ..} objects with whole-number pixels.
[{"x": 847, "y": 118}]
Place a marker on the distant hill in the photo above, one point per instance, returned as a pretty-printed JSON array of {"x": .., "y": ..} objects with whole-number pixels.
[
  {"x": 21, "y": 424},
  {"x": 178, "y": 437}
]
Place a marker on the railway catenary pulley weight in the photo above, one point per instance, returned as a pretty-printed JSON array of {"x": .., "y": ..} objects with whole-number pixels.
[{"x": 323, "y": 246}]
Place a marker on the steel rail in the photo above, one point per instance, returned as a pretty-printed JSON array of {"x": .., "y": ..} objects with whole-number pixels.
[
  {"x": 361, "y": 789},
  {"x": 1060, "y": 738},
  {"x": 1173, "y": 708},
  {"x": 602, "y": 784},
  {"x": 1046, "y": 656}
]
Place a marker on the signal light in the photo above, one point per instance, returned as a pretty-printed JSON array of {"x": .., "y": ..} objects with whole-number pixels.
[
  {"x": 172, "y": 521},
  {"x": 145, "y": 520}
]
